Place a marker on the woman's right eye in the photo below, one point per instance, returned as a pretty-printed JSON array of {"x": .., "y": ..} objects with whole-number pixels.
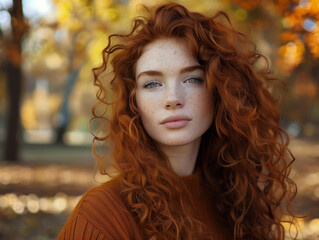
[{"x": 151, "y": 85}]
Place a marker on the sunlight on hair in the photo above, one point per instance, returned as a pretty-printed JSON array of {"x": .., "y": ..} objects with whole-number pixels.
[
  {"x": 306, "y": 229},
  {"x": 293, "y": 229}
]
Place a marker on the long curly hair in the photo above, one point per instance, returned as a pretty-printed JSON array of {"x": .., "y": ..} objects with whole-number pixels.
[{"x": 244, "y": 155}]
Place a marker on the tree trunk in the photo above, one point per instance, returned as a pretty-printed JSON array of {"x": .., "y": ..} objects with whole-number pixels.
[
  {"x": 11, "y": 152},
  {"x": 14, "y": 81}
]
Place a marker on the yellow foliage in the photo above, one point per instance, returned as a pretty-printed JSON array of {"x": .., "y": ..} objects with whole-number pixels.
[
  {"x": 103, "y": 10},
  {"x": 312, "y": 39},
  {"x": 291, "y": 54},
  {"x": 95, "y": 47},
  {"x": 295, "y": 20},
  {"x": 30, "y": 111},
  {"x": 73, "y": 14},
  {"x": 63, "y": 10},
  {"x": 288, "y": 36},
  {"x": 248, "y": 4},
  {"x": 98, "y": 4},
  {"x": 28, "y": 115},
  {"x": 54, "y": 102}
]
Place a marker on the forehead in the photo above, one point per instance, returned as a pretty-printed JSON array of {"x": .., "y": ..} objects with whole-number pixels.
[{"x": 166, "y": 54}]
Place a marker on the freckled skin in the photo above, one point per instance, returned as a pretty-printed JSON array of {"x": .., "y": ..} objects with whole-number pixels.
[{"x": 172, "y": 94}]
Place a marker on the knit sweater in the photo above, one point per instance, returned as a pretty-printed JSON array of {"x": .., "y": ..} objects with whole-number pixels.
[{"x": 102, "y": 215}]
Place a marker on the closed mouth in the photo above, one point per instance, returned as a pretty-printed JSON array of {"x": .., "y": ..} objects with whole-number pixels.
[{"x": 177, "y": 118}]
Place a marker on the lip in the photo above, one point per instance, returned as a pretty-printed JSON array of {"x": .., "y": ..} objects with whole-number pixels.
[{"x": 177, "y": 121}]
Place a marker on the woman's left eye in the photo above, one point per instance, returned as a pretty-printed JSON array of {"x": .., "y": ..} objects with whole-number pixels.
[
  {"x": 151, "y": 85},
  {"x": 194, "y": 80}
]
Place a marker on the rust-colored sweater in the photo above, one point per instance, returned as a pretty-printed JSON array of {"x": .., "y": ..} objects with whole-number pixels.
[{"x": 101, "y": 214}]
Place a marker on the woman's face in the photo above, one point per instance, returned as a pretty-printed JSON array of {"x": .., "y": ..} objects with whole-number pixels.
[{"x": 173, "y": 102}]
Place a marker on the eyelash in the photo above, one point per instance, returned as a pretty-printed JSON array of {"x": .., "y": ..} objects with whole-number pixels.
[
  {"x": 149, "y": 84},
  {"x": 197, "y": 79}
]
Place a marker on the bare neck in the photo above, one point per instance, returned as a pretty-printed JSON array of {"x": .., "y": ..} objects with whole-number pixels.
[{"x": 182, "y": 158}]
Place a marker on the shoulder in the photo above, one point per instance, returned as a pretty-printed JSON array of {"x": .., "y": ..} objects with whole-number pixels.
[
  {"x": 102, "y": 211},
  {"x": 102, "y": 204}
]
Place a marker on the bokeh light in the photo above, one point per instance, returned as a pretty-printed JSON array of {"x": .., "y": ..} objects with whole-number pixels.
[{"x": 31, "y": 203}]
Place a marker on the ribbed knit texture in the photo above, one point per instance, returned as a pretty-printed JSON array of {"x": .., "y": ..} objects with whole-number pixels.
[{"x": 101, "y": 214}]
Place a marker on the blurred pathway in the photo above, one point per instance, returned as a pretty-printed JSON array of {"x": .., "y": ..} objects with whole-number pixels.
[{"x": 38, "y": 194}]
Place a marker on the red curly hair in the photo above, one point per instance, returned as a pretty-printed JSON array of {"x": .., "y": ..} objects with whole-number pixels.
[{"x": 244, "y": 155}]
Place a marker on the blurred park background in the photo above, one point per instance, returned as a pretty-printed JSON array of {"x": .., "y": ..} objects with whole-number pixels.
[{"x": 47, "y": 51}]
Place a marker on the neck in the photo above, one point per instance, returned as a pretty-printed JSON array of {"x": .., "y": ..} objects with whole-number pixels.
[{"x": 182, "y": 158}]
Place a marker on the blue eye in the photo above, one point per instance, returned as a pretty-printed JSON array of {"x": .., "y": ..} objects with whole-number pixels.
[
  {"x": 151, "y": 85},
  {"x": 194, "y": 80}
]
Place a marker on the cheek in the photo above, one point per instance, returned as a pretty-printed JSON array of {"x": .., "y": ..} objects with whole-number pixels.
[{"x": 146, "y": 108}]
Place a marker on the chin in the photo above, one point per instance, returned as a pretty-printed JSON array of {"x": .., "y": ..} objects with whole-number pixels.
[{"x": 171, "y": 142}]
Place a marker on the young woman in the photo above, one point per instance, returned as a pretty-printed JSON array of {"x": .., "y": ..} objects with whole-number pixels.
[{"x": 193, "y": 134}]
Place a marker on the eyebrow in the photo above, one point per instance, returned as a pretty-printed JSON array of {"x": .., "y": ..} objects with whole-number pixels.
[{"x": 154, "y": 73}]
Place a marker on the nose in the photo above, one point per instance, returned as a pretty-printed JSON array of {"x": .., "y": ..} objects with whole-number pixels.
[{"x": 175, "y": 98}]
